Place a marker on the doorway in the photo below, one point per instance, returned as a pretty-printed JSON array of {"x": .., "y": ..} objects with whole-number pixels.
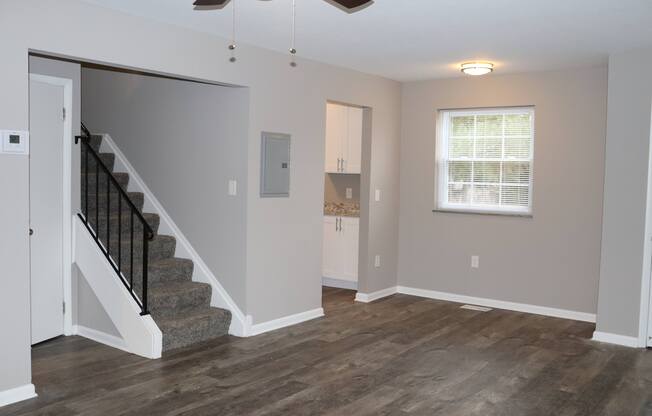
[
  {"x": 342, "y": 192},
  {"x": 50, "y": 101}
]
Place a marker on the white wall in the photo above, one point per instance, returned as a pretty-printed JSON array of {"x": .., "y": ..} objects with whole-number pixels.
[
  {"x": 549, "y": 260},
  {"x": 623, "y": 235},
  {"x": 186, "y": 140},
  {"x": 283, "y": 258}
]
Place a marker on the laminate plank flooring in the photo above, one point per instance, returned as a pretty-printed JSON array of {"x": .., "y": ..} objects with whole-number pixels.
[{"x": 401, "y": 355}]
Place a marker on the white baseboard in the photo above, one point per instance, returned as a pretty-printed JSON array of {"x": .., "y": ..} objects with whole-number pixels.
[
  {"x": 339, "y": 283},
  {"x": 499, "y": 304},
  {"x": 370, "y": 297},
  {"x": 101, "y": 337},
  {"x": 263, "y": 327},
  {"x": 616, "y": 339},
  {"x": 17, "y": 394}
]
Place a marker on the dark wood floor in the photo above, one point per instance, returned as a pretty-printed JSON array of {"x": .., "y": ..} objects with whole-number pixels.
[{"x": 399, "y": 356}]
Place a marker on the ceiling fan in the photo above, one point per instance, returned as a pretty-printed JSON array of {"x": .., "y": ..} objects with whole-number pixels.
[{"x": 348, "y": 4}]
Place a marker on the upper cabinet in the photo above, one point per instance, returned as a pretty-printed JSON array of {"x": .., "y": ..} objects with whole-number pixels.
[{"x": 343, "y": 139}]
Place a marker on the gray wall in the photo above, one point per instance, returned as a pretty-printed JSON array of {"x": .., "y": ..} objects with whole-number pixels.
[
  {"x": 335, "y": 187},
  {"x": 623, "y": 234},
  {"x": 186, "y": 140},
  {"x": 549, "y": 260},
  {"x": 281, "y": 99}
]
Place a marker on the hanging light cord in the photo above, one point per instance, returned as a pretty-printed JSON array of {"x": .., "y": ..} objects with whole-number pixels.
[
  {"x": 293, "y": 50},
  {"x": 232, "y": 45}
]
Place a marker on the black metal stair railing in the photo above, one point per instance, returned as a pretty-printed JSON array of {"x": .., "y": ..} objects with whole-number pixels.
[{"x": 99, "y": 221}]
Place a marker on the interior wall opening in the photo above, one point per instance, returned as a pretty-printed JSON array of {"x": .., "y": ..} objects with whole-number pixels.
[{"x": 344, "y": 206}]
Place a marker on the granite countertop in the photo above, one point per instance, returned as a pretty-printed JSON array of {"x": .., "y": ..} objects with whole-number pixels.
[{"x": 342, "y": 209}]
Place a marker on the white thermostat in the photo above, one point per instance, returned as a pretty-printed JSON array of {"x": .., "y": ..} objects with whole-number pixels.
[{"x": 16, "y": 142}]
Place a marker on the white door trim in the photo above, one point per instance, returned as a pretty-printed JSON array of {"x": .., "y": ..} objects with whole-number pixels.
[
  {"x": 67, "y": 192},
  {"x": 645, "y": 317}
]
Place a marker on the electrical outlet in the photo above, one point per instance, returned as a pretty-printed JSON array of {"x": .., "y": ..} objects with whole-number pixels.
[
  {"x": 233, "y": 187},
  {"x": 349, "y": 193},
  {"x": 475, "y": 262},
  {"x": 377, "y": 261}
]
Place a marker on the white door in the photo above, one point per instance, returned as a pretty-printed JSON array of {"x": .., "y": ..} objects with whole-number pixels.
[
  {"x": 350, "y": 236},
  {"x": 46, "y": 103},
  {"x": 336, "y": 126},
  {"x": 353, "y": 146}
]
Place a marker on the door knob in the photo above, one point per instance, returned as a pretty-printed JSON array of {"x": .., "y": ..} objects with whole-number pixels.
[{"x": 31, "y": 231}]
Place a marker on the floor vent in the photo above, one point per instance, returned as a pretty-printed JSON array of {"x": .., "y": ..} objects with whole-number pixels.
[{"x": 475, "y": 308}]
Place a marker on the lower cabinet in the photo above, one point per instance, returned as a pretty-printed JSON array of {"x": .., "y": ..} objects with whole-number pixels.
[{"x": 341, "y": 246}]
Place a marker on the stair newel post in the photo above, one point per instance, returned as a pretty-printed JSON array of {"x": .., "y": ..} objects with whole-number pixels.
[
  {"x": 97, "y": 199},
  {"x": 120, "y": 232},
  {"x": 145, "y": 258},
  {"x": 108, "y": 214},
  {"x": 131, "y": 254},
  {"x": 86, "y": 169}
]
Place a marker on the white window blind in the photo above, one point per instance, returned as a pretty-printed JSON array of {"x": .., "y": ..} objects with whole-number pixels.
[{"x": 484, "y": 160}]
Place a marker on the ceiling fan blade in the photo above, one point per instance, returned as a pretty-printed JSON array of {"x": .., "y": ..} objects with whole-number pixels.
[
  {"x": 351, "y": 4},
  {"x": 209, "y": 2}
]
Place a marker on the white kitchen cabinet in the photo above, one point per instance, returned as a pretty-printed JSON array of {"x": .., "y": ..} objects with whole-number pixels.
[
  {"x": 352, "y": 153},
  {"x": 341, "y": 247},
  {"x": 343, "y": 139}
]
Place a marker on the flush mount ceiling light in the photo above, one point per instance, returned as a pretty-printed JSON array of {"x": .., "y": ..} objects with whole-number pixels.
[{"x": 477, "y": 68}]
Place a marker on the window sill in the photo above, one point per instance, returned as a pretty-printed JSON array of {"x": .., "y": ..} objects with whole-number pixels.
[{"x": 478, "y": 212}]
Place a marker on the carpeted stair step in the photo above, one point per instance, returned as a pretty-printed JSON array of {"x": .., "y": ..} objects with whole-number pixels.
[
  {"x": 123, "y": 223},
  {"x": 173, "y": 299},
  {"x": 96, "y": 141},
  {"x": 108, "y": 159},
  {"x": 193, "y": 327},
  {"x": 137, "y": 198},
  {"x": 159, "y": 248},
  {"x": 171, "y": 269},
  {"x": 100, "y": 180}
]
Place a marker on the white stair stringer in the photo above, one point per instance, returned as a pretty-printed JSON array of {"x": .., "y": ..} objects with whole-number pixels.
[
  {"x": 241, "y": 324},
  {"x": 141, "y": 335}
]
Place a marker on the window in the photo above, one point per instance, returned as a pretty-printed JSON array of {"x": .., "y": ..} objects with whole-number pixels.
[{"x": 484, "y": 160}]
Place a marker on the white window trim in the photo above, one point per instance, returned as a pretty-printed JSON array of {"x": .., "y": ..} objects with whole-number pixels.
[{"x": 441, "y": 154}]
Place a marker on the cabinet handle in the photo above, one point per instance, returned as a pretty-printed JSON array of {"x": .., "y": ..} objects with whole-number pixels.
[
  {"x": 338, "y": 164},
  {"x": 343, "y": 162}
]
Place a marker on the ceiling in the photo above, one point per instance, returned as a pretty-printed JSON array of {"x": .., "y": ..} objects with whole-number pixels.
[{"x": 423, "y": 39}]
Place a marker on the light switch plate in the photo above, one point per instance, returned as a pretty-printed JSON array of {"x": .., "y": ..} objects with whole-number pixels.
[
  {"x": 377, "y": 195},
  {"x": 377, "y": 261},
  {"x": 233, "y": 187},
  {"x": 349, "y": 193},
  {"x": 475, "y": 262}
]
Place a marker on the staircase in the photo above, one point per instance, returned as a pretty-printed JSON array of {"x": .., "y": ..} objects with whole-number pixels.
[{"x": 180, "y": 307}]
